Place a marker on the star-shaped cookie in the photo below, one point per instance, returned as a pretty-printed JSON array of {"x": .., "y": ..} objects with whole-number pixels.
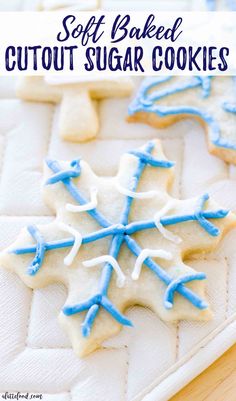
[
  {"x": 118, "y": 241},
  {"x": 161, "y": 101},
  {"x": 78, "y": 119}
]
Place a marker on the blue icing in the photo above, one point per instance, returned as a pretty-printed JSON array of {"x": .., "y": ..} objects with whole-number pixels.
[
  {"x": 147, "y": 97},
  {"x": 207, "y": 225},
  {"x": 173, "y": 286},
  {"x": 65, "y": 178},
  {"x": 62, "y": 175},
  {"x": 120, "y": 234},
  {"x": 129, "y": 229},
  {"x": 146, "y": 101},
  {"x": 230, "y": 107},
  {"x": 205, "y": 82},
  {"x": 90, "y": 317},
  {"x": 211, "y": 5},
  {"x": 37, "y": 262},
  {"x": 151, "y": 161},
  {"x": 159, "y": 272}
]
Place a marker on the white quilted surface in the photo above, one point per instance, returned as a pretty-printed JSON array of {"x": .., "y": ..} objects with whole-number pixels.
[{"x": 151, "y": 361}]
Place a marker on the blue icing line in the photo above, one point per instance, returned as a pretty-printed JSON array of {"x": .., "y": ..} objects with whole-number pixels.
[
  {"x": 120, "y": 234},
  {"x": 146, "y": 102},
  {"x": 134, "y": 183},
  {"x": 205, "y": 82},
  {"x": 40, "y": 251},
  {"x": 74, "y": 191},
  {"x": 66, "y": 243},
  {"x": 171, "y": 220},
  {"x": 207, "y": 225},
  {"x": 186, "y": 292},
  {"x": 89, "y": 319},
  {"x": 173, "y": 287},
  {"x": 62, "y": 175},
  {"x": 129, "y": 229},
  {"x": 149, "y": 83},
  {"x": 117, "y": 240},
  {"x": 231, "y": 108},
  {"x": 97, "y": 300},
  {"x": 150, "y": 160}
]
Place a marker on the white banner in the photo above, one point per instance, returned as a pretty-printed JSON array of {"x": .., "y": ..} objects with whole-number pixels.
[{"x": 112, "y": 43}]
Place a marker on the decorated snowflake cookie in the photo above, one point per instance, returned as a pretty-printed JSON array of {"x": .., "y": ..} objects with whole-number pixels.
[
  {"x": 161, "y": 101},
  {"x": 77, "y": 5},
  {"x": 117, "y": 242},
  {"x": 78, "y": 120}
]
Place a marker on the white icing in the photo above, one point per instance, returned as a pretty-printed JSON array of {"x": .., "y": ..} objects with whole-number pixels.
[
  {"x": 88, "y": 206},
  {"x": 157, "y": 220},
  {"x": 136, "y": 195},
  {"x": 68, "y": 260},
  {"x": 146, "y": 253},
  {"x": 112, "y": 261}
]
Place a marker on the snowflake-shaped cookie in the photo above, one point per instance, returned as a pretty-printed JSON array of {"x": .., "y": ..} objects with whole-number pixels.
[
  {"x": 161, "y": 101},
  {"x": 78, "y": 119},
  {"x": 117, "y": 242}
]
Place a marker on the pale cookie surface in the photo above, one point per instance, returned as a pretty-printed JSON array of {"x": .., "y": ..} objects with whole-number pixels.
[
  {"x": 162, "y": 101},
  {"x": 117, "y": 242},
  {"x": 78, "y": 120},
  {"x": 77, "y": 5}
]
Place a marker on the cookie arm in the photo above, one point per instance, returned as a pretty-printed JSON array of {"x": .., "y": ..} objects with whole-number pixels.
[{"x": 78, "y": 119}]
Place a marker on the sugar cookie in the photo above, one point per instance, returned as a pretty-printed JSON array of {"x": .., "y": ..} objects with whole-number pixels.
[
  {"x": 116, "y": 254},
  {"x": 78, "y": 119}
]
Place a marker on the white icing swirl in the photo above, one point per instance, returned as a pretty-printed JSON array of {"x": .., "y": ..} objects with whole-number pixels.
[
  {"x": 112, "y": 261},
  {"x": 157, "y": 220},
  {"x": 88, "y": 206},
  {"x": 135, "y": 195},
  {"x": 146, "y": 253},
  {"x": 68, "y": 260}
]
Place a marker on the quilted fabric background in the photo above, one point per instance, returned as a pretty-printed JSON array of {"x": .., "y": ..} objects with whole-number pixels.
[{"x": 152, "y": 360}]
